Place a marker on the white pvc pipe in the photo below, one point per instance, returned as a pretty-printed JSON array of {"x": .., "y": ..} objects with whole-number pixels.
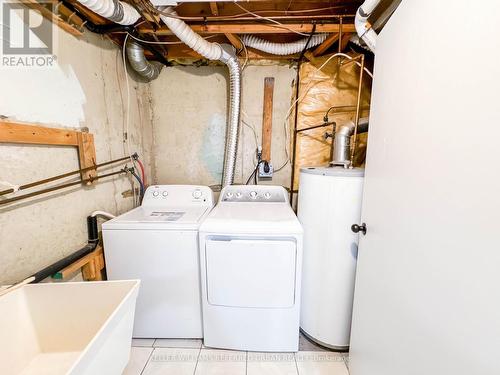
[
  {"x": 116, "y": 11},
  {"x": 212, "y": 51},
  {"x": 363, "y": 27},
  {"x": 282, "y": 49},
  {"x": 105, "y": 214}
]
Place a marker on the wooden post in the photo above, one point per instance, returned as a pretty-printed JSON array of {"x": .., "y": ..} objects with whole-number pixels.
[{"x": 267, "y": 118}]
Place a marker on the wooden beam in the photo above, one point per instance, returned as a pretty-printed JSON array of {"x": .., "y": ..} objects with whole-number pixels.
[
  {"x": 46, "y": 13},
  {"x": 183, "y": 52},
  {"x": 20, "y": 132},
  {"x": 235, "y": 41},
  {"x": 254, "y": 28},
  {"x": 344, "y": 41},
  {"x": 90, "y": 264},
  {"x": 267, "y": 118},
  {"x": 214, "y": 8},
  {"x": 321, "y": 49},
  {"x": 86, "y": 154}
]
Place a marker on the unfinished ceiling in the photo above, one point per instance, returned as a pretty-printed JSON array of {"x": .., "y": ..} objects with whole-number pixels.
[{"x": 223, "y": 22}]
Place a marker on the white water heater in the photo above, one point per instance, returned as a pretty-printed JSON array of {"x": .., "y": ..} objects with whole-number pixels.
[{"x": 329, "y": 203}]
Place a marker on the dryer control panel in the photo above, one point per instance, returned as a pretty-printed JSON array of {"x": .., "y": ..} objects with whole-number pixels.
[
  {"x": 178, "y": 195},
  {"x": 254, "y": 193}
]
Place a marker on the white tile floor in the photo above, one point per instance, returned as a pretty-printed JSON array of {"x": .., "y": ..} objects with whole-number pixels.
[{"x": 183, "y": 357}]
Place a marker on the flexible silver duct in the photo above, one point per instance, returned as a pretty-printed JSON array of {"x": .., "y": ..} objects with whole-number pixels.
[
  {"x": 225, "y": 54},
  {"x": 282, "y": 48},
  {"x": 342, "y": 142},
  {"x": 138, "y": 62},
  {"x": 232, "y": 133}
]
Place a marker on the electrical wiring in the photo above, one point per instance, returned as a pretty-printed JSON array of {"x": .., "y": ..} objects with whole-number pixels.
[
  {"x": 300, "y": 98},
  {"x": 280, "y": 25},
  {"x": 163, "y": 43},
  {"x": 127, "y": 113},
  {"x": 254, "y": 174},
  {"x": 246, "y": 13}
]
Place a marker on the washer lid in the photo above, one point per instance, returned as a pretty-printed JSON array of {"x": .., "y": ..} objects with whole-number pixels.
[{"x": 187, "y": 218}]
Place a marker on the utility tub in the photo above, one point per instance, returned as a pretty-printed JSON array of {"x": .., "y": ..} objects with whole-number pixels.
[{"x": 67, "y": 328}]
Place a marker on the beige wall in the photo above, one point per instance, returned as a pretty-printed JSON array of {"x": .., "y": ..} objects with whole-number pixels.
[
  {"x": 189, "y": 122},
  {"x": 83, "y": 90}
]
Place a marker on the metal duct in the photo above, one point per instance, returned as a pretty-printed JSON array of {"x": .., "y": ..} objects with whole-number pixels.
[
  {"x": 282, "y": 48},
  {"x": 342, "y": 142},
  {"x": 138, "y": 62},
  {"x": 227, "y": 55}
]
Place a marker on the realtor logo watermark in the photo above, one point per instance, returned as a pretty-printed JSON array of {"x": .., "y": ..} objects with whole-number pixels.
[{"x": 27, "y": 37}]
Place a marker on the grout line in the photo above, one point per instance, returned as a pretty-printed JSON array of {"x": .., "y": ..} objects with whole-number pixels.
[
  {"x": 296, "y": 365},
  {"x": 197, "y": 360},
  {"x": 246, "y": 363},
  {"x": 147, "y": 362}
]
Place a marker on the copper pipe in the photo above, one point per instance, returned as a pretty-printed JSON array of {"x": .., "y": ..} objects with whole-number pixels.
[
  {"x": 340, "y": 35},
  {"x": 63, "y": 186},
  {"x": 68, "y": 174},
  {"x": 358, "y": 109}
]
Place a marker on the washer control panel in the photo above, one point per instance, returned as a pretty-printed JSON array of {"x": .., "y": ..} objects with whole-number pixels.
[
  {"x": 178, "y": 195},
  {"x": 254, "y": 193}
]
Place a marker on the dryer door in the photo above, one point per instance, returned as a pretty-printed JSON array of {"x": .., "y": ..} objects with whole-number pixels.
[{"x": 254, "y": 273}]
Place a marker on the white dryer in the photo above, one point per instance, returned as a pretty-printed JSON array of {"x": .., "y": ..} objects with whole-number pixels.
[
  {"x": 158, "y": 244},
  {"x": 251, "y": 259}
]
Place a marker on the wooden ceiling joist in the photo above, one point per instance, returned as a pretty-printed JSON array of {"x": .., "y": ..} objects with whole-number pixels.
[{"x": 255, "y": 28}]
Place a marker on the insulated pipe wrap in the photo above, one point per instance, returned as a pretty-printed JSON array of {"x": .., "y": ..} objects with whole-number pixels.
[
  {"x": 138, "y": 62},
  {"x": 282, "y": 48}
]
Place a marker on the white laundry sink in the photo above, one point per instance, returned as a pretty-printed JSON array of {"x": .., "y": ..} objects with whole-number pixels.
[{"x": 67, "y": 328}]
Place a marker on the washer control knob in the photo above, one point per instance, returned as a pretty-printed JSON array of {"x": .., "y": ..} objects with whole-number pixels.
[
  {"x": 238, "y": 195},
  {"x": 165, "y": 193},
  {"x": 267, "y": 195},
  {"x": 253, "y": 194},
  {"x": 197, "y": 194},
  {"x": 229, "y": 194},
  {"x": 156, "y": 193}
]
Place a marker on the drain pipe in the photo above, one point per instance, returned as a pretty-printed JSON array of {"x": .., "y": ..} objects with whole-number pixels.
[
  {"x": 135, "y": 55},
  {"x": 226, "y": 54},
  {"x": 363, "y": 27},
  {"x": 282, "y": 49},
  {"x": 342, "y": 142}
]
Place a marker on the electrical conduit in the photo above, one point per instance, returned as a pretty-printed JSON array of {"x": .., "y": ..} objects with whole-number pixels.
[{"x": 225, "y": 54}]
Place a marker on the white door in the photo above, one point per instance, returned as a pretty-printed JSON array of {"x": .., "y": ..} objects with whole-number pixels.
[{"x": 427, "y": 295}]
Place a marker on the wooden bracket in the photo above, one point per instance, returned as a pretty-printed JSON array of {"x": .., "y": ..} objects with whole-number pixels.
[
  {"x": 91, "y": 265},
  {"x": 25, "y": 133},
  {"x": 267, "y": 118}
]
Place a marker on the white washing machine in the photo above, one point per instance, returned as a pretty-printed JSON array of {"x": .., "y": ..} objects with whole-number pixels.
[
  {"x": 158, "y": 244},
  {"x": 251, "y": 259}
]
